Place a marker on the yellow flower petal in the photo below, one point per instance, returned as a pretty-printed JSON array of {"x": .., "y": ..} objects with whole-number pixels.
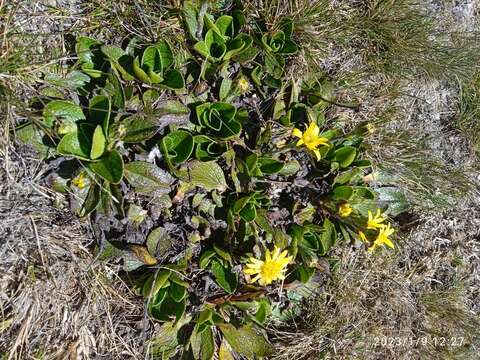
[
  {"x": 297, "y": 133},
  {"x": 389, "y": 243},
  {"x": 317, "y": 154},
  {"x": 362, "y": 236},
  {"x": 313, "y": 129}
]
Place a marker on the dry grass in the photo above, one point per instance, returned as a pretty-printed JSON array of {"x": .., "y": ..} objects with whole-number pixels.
[
  {"x": 57, "y": 302},
  {"x": 420, "y": 303}
]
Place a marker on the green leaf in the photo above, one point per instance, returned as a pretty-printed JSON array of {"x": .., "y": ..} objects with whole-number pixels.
[
  {"x": 274, "y": 64},
  {"x": 208, "y": 344},
  {"x": 219, "y": 119},
  {"x": 75, "y": 144},
  {"x": 342, "y": 192},
  {"x": 155, "y": 282},
  {"x": 208, "y": 175},
  {"x": 148, "y": 179},
  {"x": 270, "y": 166},
  {"x": 109, "y": 167},
  {"x": 205, "y": 258},
  {"x": 91, "y": 201},
  {"x": 139, "y": 128},
  {"x": 177, "y": 292},
  {"x": 168, "y": 309},
  {"x": 173, "y": 79},
  {"x": 62, "y": 110},
  {"x": 164, "y": 345},
  {"x": 113, "y": 87},
  {"x": 223, "y": 254},
  {"x": 345, "y": 156},
  {"x": 99, "y": 111},
  {"x": 158, "y": 242},
  {"x": 152, "y": 62},
  {"x": 248, "y": 340},
  {"x": 73, "y": 80},
  {"x": 224, "y": 277},
  {"x": 98, "y": 143},
  {"x": 394, "y": 198},
  {"x": 30, "y": 134},
  {"x": 348, "y": 176},
  {"x": 264, "y": 310},
  {"x": 248, "y": 212},
  {"x": 328, "y": 238},
  {"x": 120, "y": 60},
  {"x": 304, "y": 273},
  {"x": 225, "y": 88},
  {"x": 177, "y": 146},
  {"x": 87, "y": 51},
  {"x": 139, "y": 73},
  {"x": 190, "y": 17}
]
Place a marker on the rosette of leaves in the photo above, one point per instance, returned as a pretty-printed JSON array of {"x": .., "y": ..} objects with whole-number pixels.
[
  {"x": 280, "y": 40},
  {"x": 166, "y": 295},
  {"x": 277, "y": 45},
  {"x": 90, "y": 57},
  {"x": 219, "y": 120},
  {"x": 246, "y": 207},
  {"x": 207, "y": 149},
  {"x": 155, "y": 66},
  {"x": 247, "y": 340},
  {"x": 177, "y": 146},
  {"x": 309, "y": 243},
  {"x": 220, "y": 263},
  {"x": 88, "y": 138},
  {"x": 223, "y": 42}
]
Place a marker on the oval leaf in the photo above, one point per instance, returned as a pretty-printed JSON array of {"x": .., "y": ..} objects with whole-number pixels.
[
  {"x": 98, "y": 143},
  {"x": 109, "y": 167},
  {"x": 147, "y": 178}
]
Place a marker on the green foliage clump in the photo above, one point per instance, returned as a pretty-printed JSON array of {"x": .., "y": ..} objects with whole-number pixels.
[{"x": 194, "y": 158}]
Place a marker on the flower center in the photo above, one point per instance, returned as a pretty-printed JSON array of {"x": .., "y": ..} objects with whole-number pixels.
[
  {"x": 308, "y": 138},
  {"x": 271, "y": 270}
]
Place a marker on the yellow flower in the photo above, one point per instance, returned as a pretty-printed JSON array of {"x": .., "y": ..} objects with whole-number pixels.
[
  {"x": 375, "y": 222},
  {"x": 371, "y": 128},
  {"x": 382, "y": 238},
  {"x": 273, "y": 268},
  {"x": 243, "y": 84},
  {"x": 362, "y": 237},
  {"x": 310, "y": 139},
  {"x": 80, "y": 181},
  {"x": 345, "y": 210}
]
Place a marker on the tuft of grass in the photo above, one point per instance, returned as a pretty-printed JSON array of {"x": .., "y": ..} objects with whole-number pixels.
[
  {"x": 454, "y": 328},
  {"x": 468, "y": 116},
  {"x": 407, "y": 161},
  {"x": 386, "y": 307},
  {"x": 396, "y": 38}
]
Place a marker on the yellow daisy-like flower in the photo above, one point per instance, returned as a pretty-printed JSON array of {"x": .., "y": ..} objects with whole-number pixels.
[
  {"x": 382, "y": 238},
  {"x": 80, "y": 181},
  {"x": 272, "y": 268},
  {"x": 375, "y": 222},
  {"x": 310, "y": 139},
  {"x": 345, "y": 210}
]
